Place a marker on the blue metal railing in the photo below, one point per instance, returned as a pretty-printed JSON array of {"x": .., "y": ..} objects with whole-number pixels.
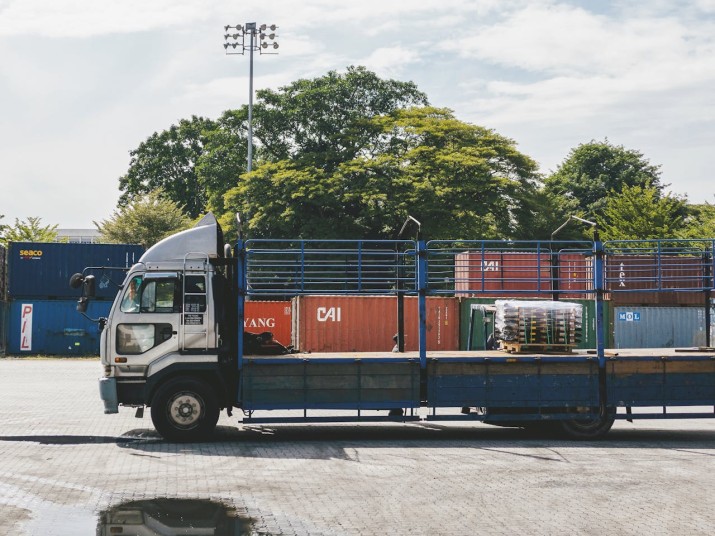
[
  {"x": 496, "y": 268},
  {"x": 284, "y": 267},
  {"x": 510, "y": 268},
  {"x": 659, "y": 265}
]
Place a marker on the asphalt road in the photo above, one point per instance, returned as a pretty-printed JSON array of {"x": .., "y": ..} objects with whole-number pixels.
[{"x": 66, "y": 468}]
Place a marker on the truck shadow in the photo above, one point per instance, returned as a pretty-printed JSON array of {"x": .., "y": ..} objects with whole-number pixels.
[
  {"x": 340, "y": 442},
  {"x": 69, "y": 439}
]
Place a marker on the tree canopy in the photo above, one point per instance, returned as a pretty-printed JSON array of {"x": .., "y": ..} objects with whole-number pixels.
[
  {"x": 326, "y": 121},
  {"x": 593, "y": 171},
  {"x": 144, "y": 220},
  {"x": 639, "y": 213},
  {"x": 320, "y": 122},
  {"x": 167, "y": 160},
  {"x": 351, "y": 155},
  {"x": 28, "y": 230},
  {"x": 454, "y": 177},
  {"x": 701, "y": 220}
]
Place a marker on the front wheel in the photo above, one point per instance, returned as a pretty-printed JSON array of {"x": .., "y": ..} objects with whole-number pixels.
[{"x": 185, "y": 409}]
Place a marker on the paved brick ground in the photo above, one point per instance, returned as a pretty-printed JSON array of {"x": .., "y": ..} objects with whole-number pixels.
[{"x": 63, "y": 462}]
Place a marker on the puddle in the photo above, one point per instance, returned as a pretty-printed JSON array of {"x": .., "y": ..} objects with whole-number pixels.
[{"x": 169, "y": 517}]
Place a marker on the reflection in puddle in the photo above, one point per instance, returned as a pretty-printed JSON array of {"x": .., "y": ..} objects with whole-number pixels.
[{"x": 169, "y": 517}]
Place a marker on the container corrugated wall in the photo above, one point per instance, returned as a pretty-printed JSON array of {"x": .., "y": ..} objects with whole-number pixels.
[
  {"x": 4, "y": 318},
  {"x": 3, "y": 272},
  {"x": 658, "y": 327},
  {"x": 42, "y": 270},
  {"x": 273, "y": 316},
  {"x": 54, "y": 327},
  {"x": 369, "y": 323}
]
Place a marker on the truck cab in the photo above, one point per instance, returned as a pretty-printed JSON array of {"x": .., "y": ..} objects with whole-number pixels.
[{"x": 169, "y": 326}]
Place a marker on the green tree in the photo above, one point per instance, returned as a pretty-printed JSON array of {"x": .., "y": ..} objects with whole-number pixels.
[
  {"x": 457, "y": 179},
  {"x": 167, "y": 160},
  {"x": 701, "y": 220},
  {"x": 224, "y": 158},
  {"x": 28, "y": 230},
  {"x": 320, "y": 122},
  {"x": 638, "y": 213},
  {"x": 592, "y": 171},
  {"x": 542, "y": 212},
  {"x": 144, "y": 220},
  {"x": 326, "y": 121}
]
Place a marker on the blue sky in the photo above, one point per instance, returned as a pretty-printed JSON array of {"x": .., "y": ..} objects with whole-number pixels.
[{"x": 82, "y": 82}]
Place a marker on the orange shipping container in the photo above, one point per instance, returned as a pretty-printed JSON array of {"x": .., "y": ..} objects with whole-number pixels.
[
  {"x": 273, "y": 316},
  {"x": 369, "y": 323}
]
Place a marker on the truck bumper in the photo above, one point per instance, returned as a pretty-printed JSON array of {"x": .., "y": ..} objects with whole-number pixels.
[{"x": 108, "y": 394}]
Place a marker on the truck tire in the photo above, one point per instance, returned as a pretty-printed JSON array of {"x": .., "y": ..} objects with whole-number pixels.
[
  {"x": 185, "y": 409},
  {"x": 593, "y": 428}
]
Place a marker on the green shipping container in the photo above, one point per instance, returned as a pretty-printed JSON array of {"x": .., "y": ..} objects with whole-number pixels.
[{"x": 588, "y": 341}]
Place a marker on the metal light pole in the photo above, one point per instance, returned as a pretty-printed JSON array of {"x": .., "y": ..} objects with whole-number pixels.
[{"x": 249, "y": 37}]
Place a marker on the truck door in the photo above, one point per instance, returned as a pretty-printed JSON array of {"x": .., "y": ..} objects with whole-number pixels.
[
  {"x": 195, "y": 320},
  {"x": 147, "y": 325}
]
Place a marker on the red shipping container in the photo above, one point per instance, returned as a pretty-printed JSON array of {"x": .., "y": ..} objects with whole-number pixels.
[
  {"x": 273, "y": 316},
  {"x": 628, "y": 276},
  {"x": 518, "y": 274},
  {"x": 369, "y": 323}
]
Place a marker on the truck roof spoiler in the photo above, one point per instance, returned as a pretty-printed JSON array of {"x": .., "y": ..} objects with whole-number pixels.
[{"x": 205, "y": 237}]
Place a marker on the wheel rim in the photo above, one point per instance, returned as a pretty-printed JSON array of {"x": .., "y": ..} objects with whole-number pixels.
[
  {"x": 586, "y": 425},
  {"x": 185, "y": 410}
]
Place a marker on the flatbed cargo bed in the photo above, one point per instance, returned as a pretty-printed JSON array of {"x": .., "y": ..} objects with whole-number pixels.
[
  {"x": 669, "y": 353},
  {"x": 479, "y": 378}
]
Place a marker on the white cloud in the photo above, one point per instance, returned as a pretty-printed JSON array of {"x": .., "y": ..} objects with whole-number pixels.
[
  {"x": 87, "y": 18},
  {"x": 390, "y": 61},
  {"x": 558, "y": 39},
  {"x": 580, "y": 63}
]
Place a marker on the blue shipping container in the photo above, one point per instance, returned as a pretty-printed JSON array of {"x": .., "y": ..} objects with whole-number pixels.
[
  {"x": 658, "y": 327},
  {"x": 54, "y": 327},
  {"x": 43, "y": 270},
  {"x": 3, "y": 272},
  {"x": 4, "y": 317}
]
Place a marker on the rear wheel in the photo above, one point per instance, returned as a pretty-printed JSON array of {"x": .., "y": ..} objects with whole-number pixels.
[
  {"x": 588, "y": 428},
  {"x": 185, "y": 409}
]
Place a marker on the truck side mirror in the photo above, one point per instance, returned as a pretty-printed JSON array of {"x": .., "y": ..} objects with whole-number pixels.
[
  {"x": 89, "y": 286},
  {"x": 82, "y": 304},
  {"x": 76, "y": 280}
]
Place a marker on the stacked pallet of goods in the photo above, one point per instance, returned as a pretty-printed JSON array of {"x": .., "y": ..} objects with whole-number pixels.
[{"x": 538, "y": 325}]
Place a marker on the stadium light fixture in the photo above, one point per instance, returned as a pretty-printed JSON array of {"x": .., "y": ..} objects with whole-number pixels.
[{"x": 248, "y": 38}]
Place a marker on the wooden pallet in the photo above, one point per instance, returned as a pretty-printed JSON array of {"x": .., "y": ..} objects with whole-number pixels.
[{"x": 518, "y": 348}]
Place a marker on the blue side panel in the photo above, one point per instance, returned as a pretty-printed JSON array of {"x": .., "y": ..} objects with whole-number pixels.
[
  {"x": 57, "y": 328},
  {"x": 42, "y": 270},
  {"x": 524, "y": 385},
  {"x": 659, "y": 382},
  {"x": 329, "y": 384}
]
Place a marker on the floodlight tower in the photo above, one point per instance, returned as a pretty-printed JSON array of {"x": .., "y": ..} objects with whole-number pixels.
[{"x": 249, "y": 37}]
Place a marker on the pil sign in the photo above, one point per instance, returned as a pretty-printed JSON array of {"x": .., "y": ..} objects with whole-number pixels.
[{"x": 26, "y": 328}]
